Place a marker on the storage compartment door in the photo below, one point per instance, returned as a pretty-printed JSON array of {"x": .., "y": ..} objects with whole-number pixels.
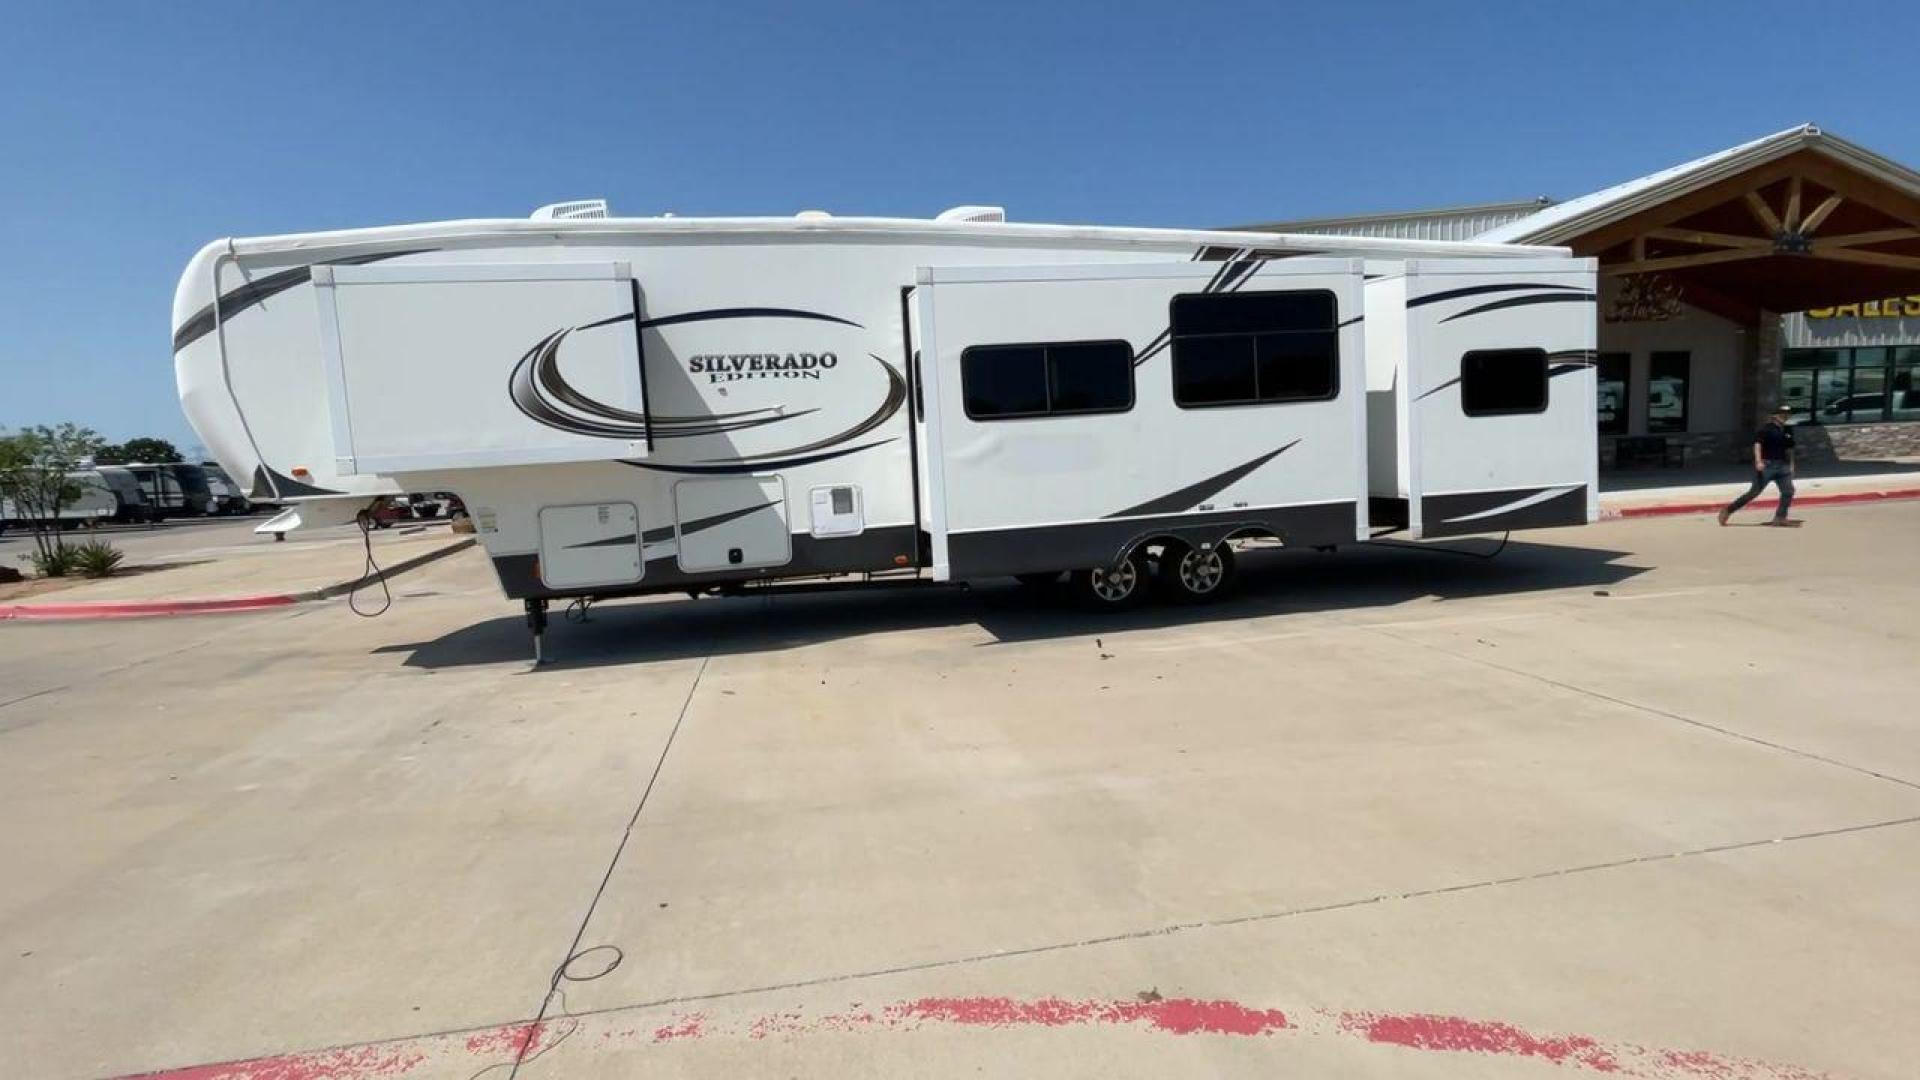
[
  {"x": 732, "y": 523},
  {"x": 590, "y": 545},
  {"x": 452, "y": 367}
]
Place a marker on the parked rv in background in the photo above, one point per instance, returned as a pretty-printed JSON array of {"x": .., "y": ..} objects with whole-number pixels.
[
  {"x": 126, "y": 490},
  {"x": 93, "y": 503},
  {"x": 175, "y": 489},
  {"x": 228, "y": 497}
]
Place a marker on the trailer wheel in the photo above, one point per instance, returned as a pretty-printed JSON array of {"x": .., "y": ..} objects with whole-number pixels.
[
  {"x": 1191, "y": 576},
  {"x": 1112, "y": 588}
]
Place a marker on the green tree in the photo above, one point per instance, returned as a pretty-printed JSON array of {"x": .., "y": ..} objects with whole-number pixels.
[
  {"x": 34, "y": 462},
  {"x": 145, "y": 449}
]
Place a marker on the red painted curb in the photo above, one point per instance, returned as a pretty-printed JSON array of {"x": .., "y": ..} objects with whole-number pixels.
[
  {"x": 1798, "y": 500},
  {"x": 135, "y": 610}
]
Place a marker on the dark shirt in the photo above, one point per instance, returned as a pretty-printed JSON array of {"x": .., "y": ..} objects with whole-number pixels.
[{"x": 1776, "y": 441}]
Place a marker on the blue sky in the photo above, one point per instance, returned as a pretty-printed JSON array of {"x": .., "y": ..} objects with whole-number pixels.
[{"x": 130, "y": 134}]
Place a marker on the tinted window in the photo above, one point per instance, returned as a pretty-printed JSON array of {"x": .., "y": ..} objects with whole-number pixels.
[
  {"x": 1093, "y": 376},
  {"x": 1004, "y": 380},
  {"x": 1254, "y": 348},
  {"x": 1053, "y": 379},
  {"x": 1498, "y": 382}
]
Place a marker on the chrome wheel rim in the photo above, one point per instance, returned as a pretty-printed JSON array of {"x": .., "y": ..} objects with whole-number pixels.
[
  {"x": 1201, "y": 571},
  {"x": 1116, "y": 584}
]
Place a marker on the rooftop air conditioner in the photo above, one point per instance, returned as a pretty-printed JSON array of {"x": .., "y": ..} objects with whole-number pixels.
[
  {"x": 974, "y": 213},
  {"x": 575, "y": 210}
]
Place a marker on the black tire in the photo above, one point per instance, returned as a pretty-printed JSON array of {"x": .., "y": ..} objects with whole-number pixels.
[
  {"x": 1113, "y": 588},
  {"x": 1038, "y": 581},
  {"x": 1191, "y": 576}
]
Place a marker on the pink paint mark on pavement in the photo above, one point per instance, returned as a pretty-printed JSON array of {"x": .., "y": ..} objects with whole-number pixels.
[
  {"x": 510, "y": 1041},
  {"x": 376, "y": 1062},
  {"x": 466, "y": 1052},
  {"x": 1178, "y": 1016},
  {"x": 1460, "y": 1035},
  {"x": 687, "y": 1027}
]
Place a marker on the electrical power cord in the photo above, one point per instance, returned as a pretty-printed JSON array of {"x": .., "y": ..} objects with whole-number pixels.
[{"x": 370, "y": 571}]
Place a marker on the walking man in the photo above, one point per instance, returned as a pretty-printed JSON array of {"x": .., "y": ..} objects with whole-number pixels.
[{"x": 1772, "y": 464}]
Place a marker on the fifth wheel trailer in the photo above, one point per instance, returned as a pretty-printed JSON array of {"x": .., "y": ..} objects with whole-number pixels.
[{"x": 643, "y": 405}]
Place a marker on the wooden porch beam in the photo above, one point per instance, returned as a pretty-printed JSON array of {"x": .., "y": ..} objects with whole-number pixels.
[
  {"x": 1878, "y": 236},
  {"x": 1871, "y": 258},
  {"x": 1826, "y": 207},
  {"x": 1688, "y": 205},
  {"x": 1682, "y": 262},
  {"x": 1764, "y": 214},
  {"x": 1696, "y": 236},
  {"x": 1792, "y": 220}
]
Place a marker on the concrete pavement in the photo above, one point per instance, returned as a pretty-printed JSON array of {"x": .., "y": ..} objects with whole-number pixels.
[{"x": 1635, "y": 797}]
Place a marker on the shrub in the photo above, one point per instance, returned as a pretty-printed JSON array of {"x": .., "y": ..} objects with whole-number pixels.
[
  {"x": 96, "y": 558},
  {"x": 56, "y": 561}
]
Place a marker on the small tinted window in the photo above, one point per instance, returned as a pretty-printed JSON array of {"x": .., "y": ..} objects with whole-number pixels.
[
  {"x": 1254, "y": 348},
  {"x": 1004, "y": 380},
  {"x": 1500, "y": 382},
  {"x": 1052, "y": 379}
]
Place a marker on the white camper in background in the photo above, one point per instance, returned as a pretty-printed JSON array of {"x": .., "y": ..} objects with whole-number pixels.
[
  {"x": 93, "y": 503},
  {"x": 643, "y": 405}
]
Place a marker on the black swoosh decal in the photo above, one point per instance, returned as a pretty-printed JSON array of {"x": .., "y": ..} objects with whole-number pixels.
[
  {"x": 687, "y": 528},
  {"x": 611, "y": 541},
  {"x": 666, "y": 532},
  {"x": 896, "y": 396},
  {"x": 756, "y": 466},
  {"x": 1482, "y": 290},
  {"x": 253, "y": 292},
  {"x": 1192, "y": 495},
  {"x": 1524, "y": 301},
  {"x": 726, "y": 313}
]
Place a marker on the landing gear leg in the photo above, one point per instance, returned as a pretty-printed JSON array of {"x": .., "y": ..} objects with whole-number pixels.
[{"x": 537, "y": 622}]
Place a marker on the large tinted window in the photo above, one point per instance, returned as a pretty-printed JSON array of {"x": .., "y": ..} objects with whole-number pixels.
[
  {"x": 1500, "y": 382},
  {"x": 1254, "y": 348},
  {"x": 1060, "y": 378}
]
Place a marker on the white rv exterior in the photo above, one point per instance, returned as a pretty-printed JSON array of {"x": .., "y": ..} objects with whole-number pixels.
[{"x": 639, "y": 405}]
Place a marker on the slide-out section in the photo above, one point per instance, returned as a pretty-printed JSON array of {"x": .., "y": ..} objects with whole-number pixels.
[
  {"x": 470, "y": 366},
  {"x": 1073, "y": 412},
  {"x": 1481, "y": 395}
]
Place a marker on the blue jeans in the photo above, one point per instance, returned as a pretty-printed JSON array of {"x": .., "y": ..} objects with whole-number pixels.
[{"x": 1777, "y": 473}]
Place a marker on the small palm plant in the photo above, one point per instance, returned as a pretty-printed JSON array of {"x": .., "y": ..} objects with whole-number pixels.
[{"x": 96, "y": 558}]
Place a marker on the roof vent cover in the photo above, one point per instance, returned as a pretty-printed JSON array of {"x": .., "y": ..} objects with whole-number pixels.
[
  {"x": 974, "y": 213},
  {"x": 574, "y": 210}
]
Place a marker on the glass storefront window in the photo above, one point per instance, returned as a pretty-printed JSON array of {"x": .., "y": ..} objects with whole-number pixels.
[
  {"x": 1830, "y": 387},
  {"x": 1814, "y": 358},
  {"x": 1851, "y": 386},
  {"x": 1868, "y": 401},
  {"x": 1611, "y": 392},
  {"x": 1796, "y": 393},
  {"x": 1667, "y": 392},
  {"x": 1906, "y": 391}
]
